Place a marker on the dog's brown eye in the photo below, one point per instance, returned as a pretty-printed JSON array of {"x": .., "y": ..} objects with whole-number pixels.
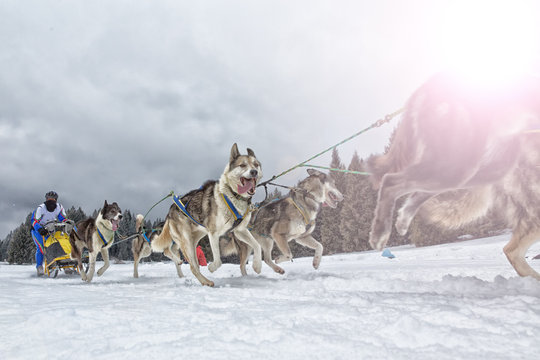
[
  {"x": 256, "y": 164},
  {"x": 243, "y": 165}
]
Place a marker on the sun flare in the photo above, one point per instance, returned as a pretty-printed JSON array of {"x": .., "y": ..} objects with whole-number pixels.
[{"x": 492, "y": 42}]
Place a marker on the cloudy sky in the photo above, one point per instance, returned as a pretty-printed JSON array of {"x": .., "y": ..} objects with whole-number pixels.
[{"x": 128, "y": 100}]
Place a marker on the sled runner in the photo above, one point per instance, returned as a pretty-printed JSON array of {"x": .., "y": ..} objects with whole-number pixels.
[{"x": 58, "y": 249}]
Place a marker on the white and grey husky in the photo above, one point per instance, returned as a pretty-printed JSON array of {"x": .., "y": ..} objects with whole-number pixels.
[
  {"x": 217, "y": 208},
  {"x": 291, "y": 218}
]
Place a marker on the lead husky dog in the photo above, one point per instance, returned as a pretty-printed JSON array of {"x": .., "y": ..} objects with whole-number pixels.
[
  {"x": 466, "y": 152},
  {"x": 215, "y": 209},
  {"x": 290, "y": 218},
  {"x": 96, "y": 235}
]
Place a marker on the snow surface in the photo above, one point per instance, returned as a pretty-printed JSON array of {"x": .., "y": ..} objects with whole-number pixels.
[{"x": 455, "y": 301}]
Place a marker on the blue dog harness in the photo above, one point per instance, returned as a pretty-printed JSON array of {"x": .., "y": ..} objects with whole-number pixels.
[
  {"x": 105, "y": 243},
  {"x": 183, "y": 209}
]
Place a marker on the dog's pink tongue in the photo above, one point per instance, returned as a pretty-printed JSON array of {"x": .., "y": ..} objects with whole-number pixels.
[
  {"x": 114, "y": 225},
  {"x": 246, "y": 187}
]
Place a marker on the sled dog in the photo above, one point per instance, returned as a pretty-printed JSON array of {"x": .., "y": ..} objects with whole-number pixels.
[
  {"x": 459, "y": 152},
  {"x": 141, "y": 248},
  {"x": 96, "y": 235},
  {"x": 218, "y": 207},
  {"x": 290, "y": 218}
]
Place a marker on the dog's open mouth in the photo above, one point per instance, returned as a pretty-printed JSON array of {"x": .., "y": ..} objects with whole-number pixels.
[
  {"x": 332, "y": 200},
  {"x": 114, "y": 224},
  {"x": 247, "y": 186}
]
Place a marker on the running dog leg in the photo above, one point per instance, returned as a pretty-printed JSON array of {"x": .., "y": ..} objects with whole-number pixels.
[
  {"x": 310, "y": 242},
  {"x": 283, "y": 244},
  {"x": 409, "y": 209},
  {"x": 267, "y": 244},
  {"x": 105, "y": 256},
  {"x": 214, "y": 245},
  {"x": 92, "y": 265},
  {"x": 172, "y": 253},
  {"x": 515, "y": 252},
  {"x": 244, "y": 235},
  {"x": 187, "y": 246}
]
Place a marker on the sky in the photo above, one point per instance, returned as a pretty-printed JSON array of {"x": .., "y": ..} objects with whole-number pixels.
[
  {"x": 455, "y": 301},
  {"x": 127, "y": 100}
]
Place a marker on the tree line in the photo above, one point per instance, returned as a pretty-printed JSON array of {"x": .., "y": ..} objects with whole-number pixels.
[{"x": 341, "y": 230}]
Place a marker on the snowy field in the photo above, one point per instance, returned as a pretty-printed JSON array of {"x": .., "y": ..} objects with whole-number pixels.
[{"x": 455, "y": 301}]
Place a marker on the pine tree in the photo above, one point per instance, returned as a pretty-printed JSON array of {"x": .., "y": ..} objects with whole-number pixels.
[
  {"x": 21, "y": 248},
  {"x": 328, "y": 222},
  {"x": 4, "y": 246},
  {"x": 357, "y": 213},
  {"x": 75, "y": 214}
]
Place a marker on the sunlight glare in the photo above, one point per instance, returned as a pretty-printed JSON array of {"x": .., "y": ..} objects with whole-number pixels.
[{"x": 491, "y": 42}]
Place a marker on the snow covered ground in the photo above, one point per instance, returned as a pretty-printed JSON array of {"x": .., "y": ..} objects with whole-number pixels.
[{"x": 454, "y": 301}]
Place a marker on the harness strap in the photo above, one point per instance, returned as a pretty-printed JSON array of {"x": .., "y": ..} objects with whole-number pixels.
[
  {"x": 146, "y": 238},
  {"x": 232, "y": 208},
  {"x": 306, "y": 220},
  {"x": 183, "y": 209},
  {"x": 105, "y": 243}
]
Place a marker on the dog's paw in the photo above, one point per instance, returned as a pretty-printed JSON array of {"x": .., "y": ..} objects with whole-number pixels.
[
  {"x": 279, "y": 270},
  {"x": 316, "y": 262},
  {"x": 208, "y": 283},
  {"x": 282, "y": 258},
  {"x": 100, "y": 272},
  {"x": 257, "y": 266},
  {"x": 214, "y": 266}
]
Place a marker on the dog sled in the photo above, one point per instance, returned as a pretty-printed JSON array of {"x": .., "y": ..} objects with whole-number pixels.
[{"x": 58, "y": 249}]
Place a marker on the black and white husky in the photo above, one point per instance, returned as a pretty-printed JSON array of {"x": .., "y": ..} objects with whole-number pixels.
[{"x": 217, "y": 208}]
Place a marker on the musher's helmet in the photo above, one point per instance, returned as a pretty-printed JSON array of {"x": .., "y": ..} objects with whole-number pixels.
[{"x": 51, "y": 195}]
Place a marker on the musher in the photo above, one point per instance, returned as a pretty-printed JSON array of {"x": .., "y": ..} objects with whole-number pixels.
[{"x": 49, "y": 211}]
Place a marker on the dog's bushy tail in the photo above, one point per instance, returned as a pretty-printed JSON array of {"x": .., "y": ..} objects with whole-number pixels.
[
  {"x": 456, "y": 208},
  {"x": 138, "y": 222}
]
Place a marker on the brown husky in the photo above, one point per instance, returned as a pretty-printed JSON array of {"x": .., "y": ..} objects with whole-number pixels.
[
  {"x": 96, "y": 235},
  {"x": 474, "y": 148},
  {"x": 215, "y": 209},
  {"x": 290, "y": 218}
]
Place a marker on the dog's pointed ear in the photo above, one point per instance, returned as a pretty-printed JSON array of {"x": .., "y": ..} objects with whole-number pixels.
[
  {"x": 313, "y": 172},
  {"x": 104, "y": 206},
  {"x": 251, "y": 152},
  {"x": 234, "y": 153}
]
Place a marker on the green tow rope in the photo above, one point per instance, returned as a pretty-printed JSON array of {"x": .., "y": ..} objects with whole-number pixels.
[
  {"x": 376, "y": 124},
  {"x": 340, "y": 170},
  {"x": 167, "y": 196}
]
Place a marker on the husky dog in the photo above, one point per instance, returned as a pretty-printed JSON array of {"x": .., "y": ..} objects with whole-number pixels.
[
  {"x": 466, "y": 151},
  {"x": 141, "y": 248},
  {"x": 215, "y": 209},
  {"x": 290, "y": 218},
  {"x": 96, "y": 235}
]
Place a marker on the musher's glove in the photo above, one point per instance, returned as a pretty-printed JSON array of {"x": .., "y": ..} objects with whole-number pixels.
[{"x": 43, "y": 232}]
